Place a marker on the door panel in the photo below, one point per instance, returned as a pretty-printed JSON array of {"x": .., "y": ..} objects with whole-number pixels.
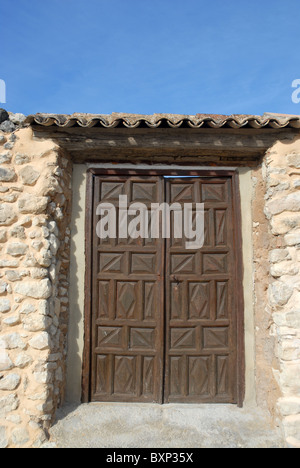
[
  {"x": 128, "y": 303},
  {"x": 200, "y": 307},
  {"x": 164, "y": 318}
]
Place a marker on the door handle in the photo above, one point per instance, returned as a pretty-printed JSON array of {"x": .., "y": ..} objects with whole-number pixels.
[{"x": 175, "y": 279}]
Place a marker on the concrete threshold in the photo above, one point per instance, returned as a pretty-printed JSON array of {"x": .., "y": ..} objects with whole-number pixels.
[{"x": 104, "y": 425}]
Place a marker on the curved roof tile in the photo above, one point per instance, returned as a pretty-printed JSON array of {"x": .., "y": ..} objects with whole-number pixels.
[{"x": 275, "y": 121}]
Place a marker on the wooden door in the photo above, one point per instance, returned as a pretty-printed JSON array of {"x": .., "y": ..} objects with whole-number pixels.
[
  {"x": 165, "y": 324},
  {"x": 201, "y": 343},
  {"x": 128, "y": 302}
]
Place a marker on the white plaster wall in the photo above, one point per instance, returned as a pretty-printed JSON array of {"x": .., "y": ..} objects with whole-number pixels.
[
  {"x": 77, "y": 278},
  {"x": 77, "y": 269},
  {"x": 246, "y": 194}
]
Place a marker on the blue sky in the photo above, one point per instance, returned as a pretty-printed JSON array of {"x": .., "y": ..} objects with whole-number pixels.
[{"x": 174, "y": 56}]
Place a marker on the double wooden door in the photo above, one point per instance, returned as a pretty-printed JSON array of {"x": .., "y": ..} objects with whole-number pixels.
[{"x": 164, "y": 319}]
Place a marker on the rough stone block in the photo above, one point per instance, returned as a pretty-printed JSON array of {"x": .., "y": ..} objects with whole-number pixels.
[
  {"x": 13, "y": 275},
  {"x": 3, "y": 287},
  {"x": 32, "y": 204},
  {"x": 29, "y": 175},
  {"x": 12, "y": 321},
  {"x": 37, "y": 289},
  {"x": 9, "y": 263},
  {"x": 290, "y": 347},
  {"x": 7, "y": 126},
  {"x": 293, "y": 319},
  {"x": 278, "y": 255},
  {"x": 23, "y": 360},
  {"x": 10, "y": 382},
  {"x": 289, "y": 406},
  {"x": 20, "y": 437},
  {"x": 3, "y": 236},
  {"x": 291, "y": 426},
  {"x": 293, "y": 443},
  {"x": 294, "y": 160},
  {"x": 284, "y": 268},
  {"x": 280, "y": 293},
  {"x": 5, "y": 361},
  {"x": 27, "y": 308},
  {"x": 3, "y": 438},
  {"x": 11, "y": 341},
  {"x": 17, "y": 249},
  {"x": 21, "y": 159},
  {"x": 7, "y": 175},
  {"x": 8, "y": 403},
  {"x": 5, "y": 306},
  {"x": 40, "y": 341},
  {"x": 5, "y": 158},
  {"x": 7, "y": 215},
  {"x": 36, "y": 322},
  {"x": 43, "y": 377},
  {"x": 18, "y": 232},
  {"x": 289, "y": 203},
  {"x": 292, "y": 239},
  {"x": 289, "y": 379},
  {"x": 283, "y": 223}
]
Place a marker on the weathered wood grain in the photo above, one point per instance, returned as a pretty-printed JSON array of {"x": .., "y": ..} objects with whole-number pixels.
[{"x": 165, "y": 145}]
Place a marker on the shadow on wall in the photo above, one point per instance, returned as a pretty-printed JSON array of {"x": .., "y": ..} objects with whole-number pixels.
[{"x": 77, "y": 272}]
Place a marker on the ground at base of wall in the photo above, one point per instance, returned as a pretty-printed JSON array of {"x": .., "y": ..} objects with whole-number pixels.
[{"x": 169, "y": 426}]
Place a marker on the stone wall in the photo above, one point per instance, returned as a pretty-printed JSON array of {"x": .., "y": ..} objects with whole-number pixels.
[
  {"x": 35, "y": 210},
  {"x": 35, "y": 194},
  {"x": 267, "y": 389},
  {"x": 281, "y": 174}
]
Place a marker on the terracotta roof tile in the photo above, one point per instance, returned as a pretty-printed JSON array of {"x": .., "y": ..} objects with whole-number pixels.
[{"x": 275, "y": 121}]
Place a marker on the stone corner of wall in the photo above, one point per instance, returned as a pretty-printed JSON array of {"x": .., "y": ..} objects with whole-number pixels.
[
  {"x": 35, "y": 200},
  {"x": 282, "y": 210}
]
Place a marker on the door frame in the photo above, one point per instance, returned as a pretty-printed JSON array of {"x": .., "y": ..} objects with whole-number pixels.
[{"x": 239, "y": 268}]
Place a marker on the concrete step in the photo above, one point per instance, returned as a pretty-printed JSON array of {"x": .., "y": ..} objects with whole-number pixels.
[{"x": 100, "y": 425}]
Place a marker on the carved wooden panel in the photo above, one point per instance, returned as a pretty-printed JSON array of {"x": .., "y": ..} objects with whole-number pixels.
[
  {"x": 143, "y": 193},
  {"x": 142, "y": 338},
  {"x": 150, "y": 300},
  {"x": 103, "y": 300},
  {"x": 213, "y": 192},
  {"x": 109, "y": 337},
  {"x": 153, "y": 298},
  {"x": 125, "y": 375},
  {"x": 143, "y": 263},
  {"x": 199, "y": 301},
  {"x": 127, "y": 300},
  {"x": 215, "y": 338},
  {"x": 110, "y": 191},
  {"x": 183, "y": 193},
  {"x": 148, "y": 376},
  {"x": 111, "y": 262},
  {"x": 128, "y": 314},
  {"x": 201, "y": 322},
  {"x": 183, "y": 263},
  {"x": 177, "y": 300},
  {"x": 183, "y": 338},
  {"x": 220, "y": 224},
  {"x": 200, "y": 370},
  {"x": 222, "y": 300},
  {"x": 214, "y": 263}
]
